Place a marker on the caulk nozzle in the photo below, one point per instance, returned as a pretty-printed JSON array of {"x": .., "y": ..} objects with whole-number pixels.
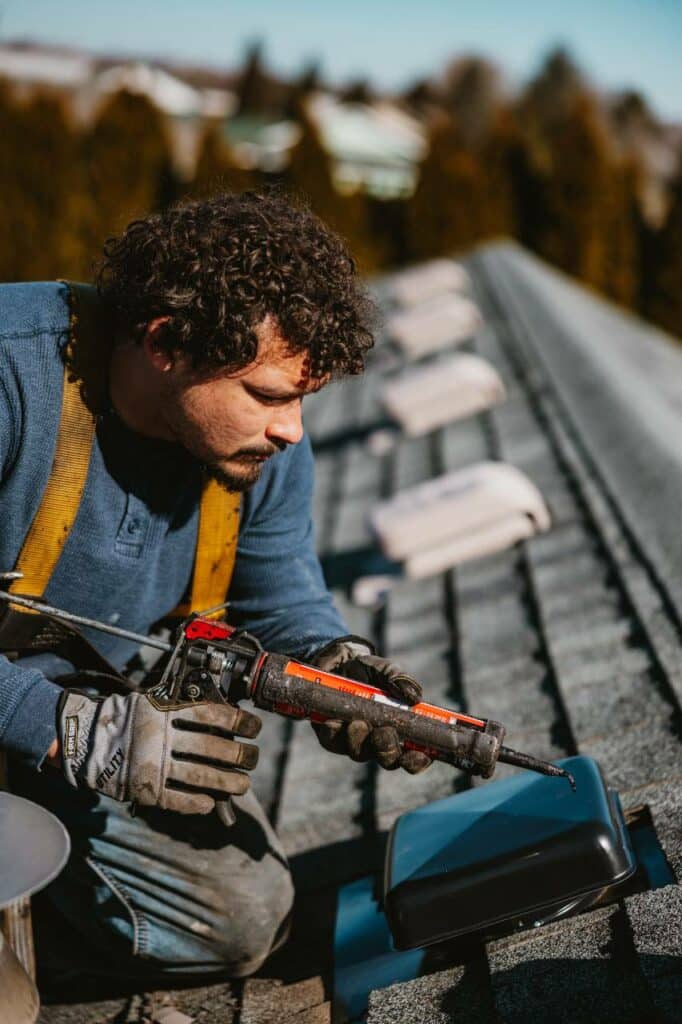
[{"x": 534, "y": 764}]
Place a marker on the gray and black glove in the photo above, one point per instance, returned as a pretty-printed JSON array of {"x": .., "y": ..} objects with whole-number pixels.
[
  {"x": 354, "y": 658},
  {"x": 181, "y": 759}
]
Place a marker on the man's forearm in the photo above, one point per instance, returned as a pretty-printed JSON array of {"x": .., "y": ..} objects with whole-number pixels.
[{"x": 28, "y": 712}]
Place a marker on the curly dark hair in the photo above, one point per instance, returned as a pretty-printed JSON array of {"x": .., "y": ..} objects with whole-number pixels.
[{"x": 219, "y": 266}]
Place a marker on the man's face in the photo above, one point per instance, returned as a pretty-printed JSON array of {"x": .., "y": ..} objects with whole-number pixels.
[{"x": 233, "y": 422}]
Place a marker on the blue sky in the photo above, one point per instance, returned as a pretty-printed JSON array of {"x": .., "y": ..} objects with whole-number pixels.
[{"x": 619, "y": 43}]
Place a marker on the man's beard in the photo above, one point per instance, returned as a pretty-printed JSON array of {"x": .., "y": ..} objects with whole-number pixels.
[{"x": 233, "y": 481}]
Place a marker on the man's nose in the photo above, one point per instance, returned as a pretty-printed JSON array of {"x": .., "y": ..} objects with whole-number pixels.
[{"x": 286, "y": 425}]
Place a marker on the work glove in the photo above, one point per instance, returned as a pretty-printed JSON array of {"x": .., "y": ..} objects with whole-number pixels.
[
  {"x": 180, "y": 759},
  {"x": 354, "y": 658}
]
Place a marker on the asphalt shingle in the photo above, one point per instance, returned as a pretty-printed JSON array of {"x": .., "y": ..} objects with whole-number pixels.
[
  {"x": 454, "y": 996},
  {"x": 568, "y": 973}
]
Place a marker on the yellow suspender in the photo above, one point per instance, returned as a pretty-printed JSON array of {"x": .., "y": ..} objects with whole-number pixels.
[
  {"x": 216, "y": 549},
  {"x": 52, "y": 523}
]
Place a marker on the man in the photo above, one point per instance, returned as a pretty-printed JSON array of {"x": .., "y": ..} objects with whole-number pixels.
[{"x": 210, "y": 324}]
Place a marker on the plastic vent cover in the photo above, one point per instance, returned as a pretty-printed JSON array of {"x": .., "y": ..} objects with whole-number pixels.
[
  {"x": 429, "y": 280},
  {"x": 526, "y": 850},
  {"x": 462, "y": 515},
  {"x": 431, "y": 326},
  {"x": 428, "y": 397}
]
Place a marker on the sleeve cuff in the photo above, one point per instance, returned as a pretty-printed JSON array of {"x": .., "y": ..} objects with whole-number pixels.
[{"x": 33, "y": 726}]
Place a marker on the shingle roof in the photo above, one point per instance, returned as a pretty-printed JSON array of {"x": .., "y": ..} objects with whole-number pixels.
[{"x": 572, "y": 639}]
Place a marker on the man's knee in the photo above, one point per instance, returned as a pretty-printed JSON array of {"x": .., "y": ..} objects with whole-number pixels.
[
  {"x": 254, "y": 924},
  {"x": 180, "y": 895}
]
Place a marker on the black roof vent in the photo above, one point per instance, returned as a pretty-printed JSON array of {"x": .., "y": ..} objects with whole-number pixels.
[{"x": 520, "y": 852}]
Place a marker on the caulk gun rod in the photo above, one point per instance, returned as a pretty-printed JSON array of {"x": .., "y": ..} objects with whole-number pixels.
[
  {"x": 509, "y": 756},
  {"x": 81, "y": 620}
]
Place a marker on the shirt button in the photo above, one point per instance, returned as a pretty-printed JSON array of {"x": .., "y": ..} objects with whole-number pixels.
[{"x": 134, "y": 526}]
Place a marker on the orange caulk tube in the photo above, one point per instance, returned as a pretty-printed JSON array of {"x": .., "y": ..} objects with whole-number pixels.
[{"x": 302, "y": 691}]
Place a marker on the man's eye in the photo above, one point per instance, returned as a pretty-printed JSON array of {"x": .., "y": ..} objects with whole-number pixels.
[
  {"x": 269, "y": 399},
  {"x": 274, "y": 399}
]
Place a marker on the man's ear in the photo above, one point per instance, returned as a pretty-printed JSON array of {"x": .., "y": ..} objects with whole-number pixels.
[{"x": 154, "y": 351}]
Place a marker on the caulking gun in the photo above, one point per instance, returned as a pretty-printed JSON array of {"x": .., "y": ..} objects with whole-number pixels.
[{"x": 212, "y": 661}]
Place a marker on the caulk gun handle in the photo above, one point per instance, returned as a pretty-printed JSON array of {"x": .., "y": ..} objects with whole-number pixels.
[{"x": 225, "y": 812}]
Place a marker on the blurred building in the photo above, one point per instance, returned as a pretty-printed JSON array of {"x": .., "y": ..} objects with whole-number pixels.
[
  {"x": 186, "y": 107},
  {"x": 376, "y": 147},
  {"x": 30, "y": 69},
  {"x": 85, "y": 84},
  {"x": 261, "y": 142}
]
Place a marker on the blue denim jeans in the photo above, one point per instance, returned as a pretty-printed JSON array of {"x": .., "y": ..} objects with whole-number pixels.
[{"x": 163, "y": 891}]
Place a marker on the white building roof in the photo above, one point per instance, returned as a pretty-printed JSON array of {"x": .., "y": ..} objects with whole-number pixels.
[
  {"x": 375, "y": 146},
  {"x": 171, "y": 95},
  {"x": 35, "y": 66}
]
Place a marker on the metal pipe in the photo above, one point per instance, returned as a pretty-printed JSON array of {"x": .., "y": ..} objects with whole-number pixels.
[{"x": 81, "y": 620}]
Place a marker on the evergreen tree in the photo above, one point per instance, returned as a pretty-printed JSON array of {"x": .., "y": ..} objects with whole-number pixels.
[
  {"x": 553, "y": 93},
  {"x": 38, "y": 188},
  {"x": 388, "y": 229},
  {"x": 310, "y": 175},
  {"x": 422, "y": 96},
  {"x": 662, "y": 294},
  {"x": 216, "y": 170},
  {"x": 621, "y": 214},
  {"x": 127, "y": 166},
  {"x": 439, "y": 212},
  {"x": 463, "y": 195},
  {"x": 307, "y": 82},
  {"x": 587, "y": 225},
  {"x": 471, "y": 94},
  {"x": 310, "y": 170},
  {"x": 358, "y": 91},
  {"x": 254, "y": 88},
  {"x": 498, "y": 215}
]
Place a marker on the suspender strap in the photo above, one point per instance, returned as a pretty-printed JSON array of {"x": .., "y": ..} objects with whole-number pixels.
[
  {"x": 52, "y": 523},
  {"x": 216, "y": 549},
  {"x": 57, "y": 512}
]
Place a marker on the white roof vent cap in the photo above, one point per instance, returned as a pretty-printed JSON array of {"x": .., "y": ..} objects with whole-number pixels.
[
  {"x": 428, "y": 280},
  {"x": 459, "y": 516},
  {"x": 448, "y": 320},
  {"x": 427, "y": 397}
]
